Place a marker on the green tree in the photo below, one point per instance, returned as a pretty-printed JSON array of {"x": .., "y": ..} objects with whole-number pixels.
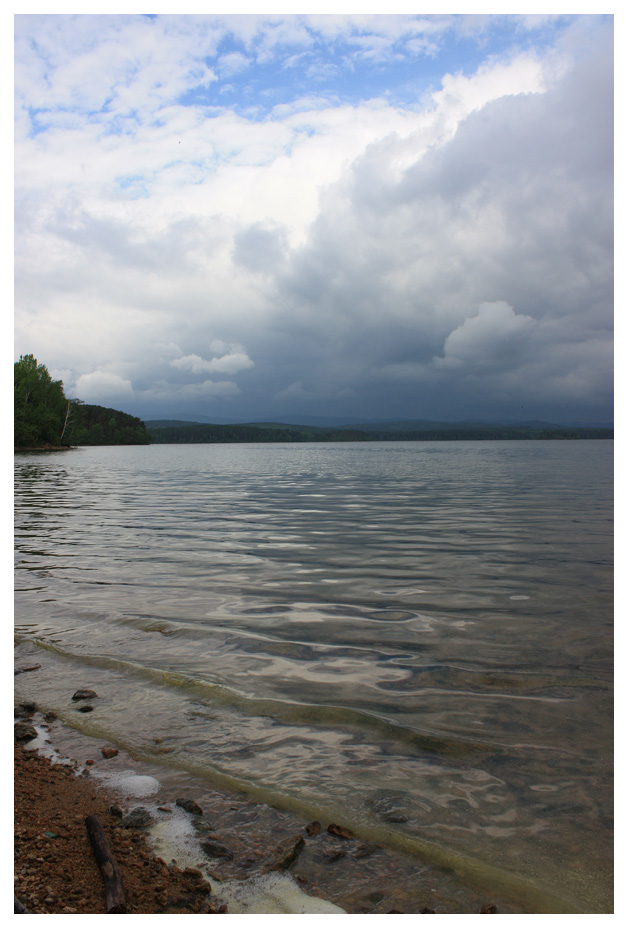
[{"x": 39, "y": 404}]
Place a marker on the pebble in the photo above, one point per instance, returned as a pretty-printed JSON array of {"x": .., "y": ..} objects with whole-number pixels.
[
  {"x": 332, "y": 856},
  {"x": 215, "y": 849},
  {"x": 24, "y": 732},
  {"x": 284, "y": 854},
  {"x": 340, "y": 832},
  {"x": 190, "y": 806},
  {"x": 85, "y": 694},
  {"x": 26, "y": 669},
  {"x": 364, "y": 850},
  {"x": 109, "y": 752},
  {"x": 138, "y": 818},
  {"x": 376, "y": 896}
]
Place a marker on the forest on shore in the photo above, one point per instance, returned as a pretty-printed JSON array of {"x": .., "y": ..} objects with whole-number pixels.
[{"x": 43, "y": 417}]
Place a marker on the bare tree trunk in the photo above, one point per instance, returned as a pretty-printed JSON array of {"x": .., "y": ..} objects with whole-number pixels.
[
  {"x": 114, "y": 891},
  {"x": 67, "y": 416}
]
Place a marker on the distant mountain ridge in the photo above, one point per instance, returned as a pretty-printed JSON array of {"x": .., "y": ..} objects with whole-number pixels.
[
  {"x": 370, "y": 425},
  {"x": 171, "y": 431}
]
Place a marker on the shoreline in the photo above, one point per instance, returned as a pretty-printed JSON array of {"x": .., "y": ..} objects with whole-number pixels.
[
  {"x": 36, "y": 448},
  {"x": 55, "y": 871},
  {"x": 261, "y": 861}
]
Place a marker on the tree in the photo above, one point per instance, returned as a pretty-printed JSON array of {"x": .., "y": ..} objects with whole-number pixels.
[
  {"x": 40, "y": 407},
  {"x": 43, "y": 416}
]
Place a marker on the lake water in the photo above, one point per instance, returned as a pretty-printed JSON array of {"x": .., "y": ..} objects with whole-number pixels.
[{"x": 414, "y": 639}]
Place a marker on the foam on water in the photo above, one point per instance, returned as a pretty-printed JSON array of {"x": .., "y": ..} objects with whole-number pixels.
[
  {"x": 175, "y": 838},
  {"x": 274, "y": 893},
  {"x": 130, "y": 784}
]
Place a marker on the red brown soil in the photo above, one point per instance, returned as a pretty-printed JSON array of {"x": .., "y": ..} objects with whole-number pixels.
[{"x": 55, "y": 868}]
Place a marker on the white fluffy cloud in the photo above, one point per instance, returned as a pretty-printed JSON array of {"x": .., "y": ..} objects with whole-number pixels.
[
  {"x": 103, "y": 383},
  {"x": 495, "y": 336},
  {"x": 233, "y": 362}
]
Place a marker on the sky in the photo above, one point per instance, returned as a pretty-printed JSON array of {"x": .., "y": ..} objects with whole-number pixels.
[{"x": 364, "y": 216}]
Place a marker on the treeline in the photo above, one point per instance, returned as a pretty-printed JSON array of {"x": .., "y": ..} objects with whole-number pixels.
[
  {"x": 43, "y": 417},
  {"x": 492, "y": 433},
  {"x": 200, "y": 434},
  {"x": 217, "y": 434},
  {"x": 196, "y": 433},
  {"x": 99, "y": 425}
]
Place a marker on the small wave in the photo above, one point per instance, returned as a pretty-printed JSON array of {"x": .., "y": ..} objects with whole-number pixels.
[{"x": 324, "y": 716}]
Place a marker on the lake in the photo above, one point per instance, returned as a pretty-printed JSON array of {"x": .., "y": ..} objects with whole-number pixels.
[{"x": 412, "y": 638}]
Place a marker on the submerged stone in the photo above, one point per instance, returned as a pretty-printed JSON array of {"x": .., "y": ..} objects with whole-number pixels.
[
  {"x": 190, "y": 806},
  {"x": 24, "y": 732},
  {"x": 138, "y": 818},
  {"x": 364, "y": 850},
  {"x": 84, "y": 694},
  {"x": 215, "y": 849},
  {"x": 284, "y": 854},
  {"x": 340, "y": 832}
]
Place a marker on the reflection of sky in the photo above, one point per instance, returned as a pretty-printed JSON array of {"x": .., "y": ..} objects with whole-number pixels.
[{"x": 445, "y": 711}]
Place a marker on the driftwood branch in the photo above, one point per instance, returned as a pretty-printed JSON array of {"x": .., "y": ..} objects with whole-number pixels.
[{"x": 114, "y": 891}]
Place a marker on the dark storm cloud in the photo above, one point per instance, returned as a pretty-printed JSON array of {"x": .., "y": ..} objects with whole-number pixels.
[{"x": 483, "y": 271}]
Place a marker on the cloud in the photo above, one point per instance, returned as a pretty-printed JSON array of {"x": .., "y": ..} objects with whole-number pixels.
[
  {"x": 233, "y": 362},
  {"x": 102, "y": 383},
  {"x": 208, "y": 389},
  {"x": 495, "y": 336},
  {"x": 260, "y": 248},
  {"x": 233, "y": 63},
  {"x": 448, "y": 254}
]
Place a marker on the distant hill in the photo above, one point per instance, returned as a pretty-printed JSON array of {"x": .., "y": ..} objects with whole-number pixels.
[
  {"x": 170, "y": 423},
  {"x": 317, "y": 422},
  {"x": 166, "y": 431},
  {"x": 198, "y": 419}
]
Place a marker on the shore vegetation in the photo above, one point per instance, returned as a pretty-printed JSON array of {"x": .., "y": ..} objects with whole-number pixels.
[{"x": 44, "y": 418}]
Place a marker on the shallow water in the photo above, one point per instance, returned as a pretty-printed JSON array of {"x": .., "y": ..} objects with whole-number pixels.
[{"x": 414, "y": 638}]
